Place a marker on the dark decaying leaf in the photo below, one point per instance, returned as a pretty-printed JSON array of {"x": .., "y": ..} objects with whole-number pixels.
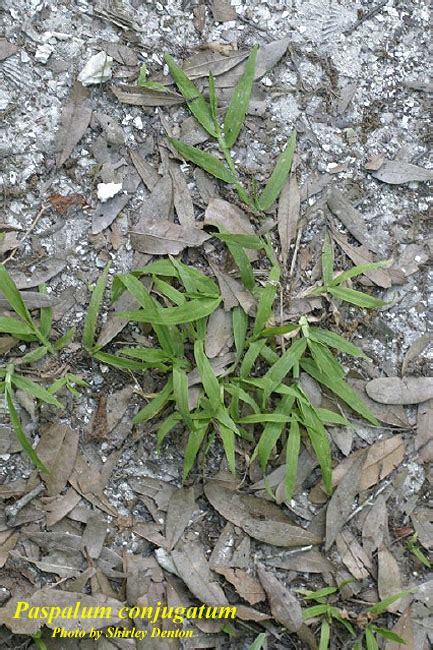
[
  {"x": 193, "y": 568},
  {"x": 182, "y": 197},
  {"x": 92, "y": 541},
  {"x": 288, "y": 214},
  {"x": 308, "y": 562},
  {"x": 120, "y": 53},
  {"x": 424, "y": 431},
  {"x": 396, "y": 172},
  {"x": 422, "y": 519},
  {"x": 351, "y": 218},
  {"x": 233, "y": 292},
  {"x": 341, "y": 503},
  {"x": 393, "y": 390},
  {"x": 166, "y": 238},
  {"x": 259, "y": 518},
  {"x": 180, "y": 509},
  {"x": 74, "y": 121},
  {"x": 285, "y": 607},
  {"x": 415, "y": 350},
  {"x": 147, "y": 173}
]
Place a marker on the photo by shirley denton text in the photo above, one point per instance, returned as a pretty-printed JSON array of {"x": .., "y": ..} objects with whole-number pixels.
[{"x": 133, "y": 622}]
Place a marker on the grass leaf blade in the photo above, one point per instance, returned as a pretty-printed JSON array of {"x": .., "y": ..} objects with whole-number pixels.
[
  {"x": 89, "y": 331},
  {"x": 279, "y": 176},
  {"x": 240, "y": 99},
  {"x": 203, "y": 159}
]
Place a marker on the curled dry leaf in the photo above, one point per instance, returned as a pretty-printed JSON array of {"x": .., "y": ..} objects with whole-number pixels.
[
  {"x": 257, "y": 517},
  {"x": 396, "y": 172},
  {"x": 179, "y": 512},
  {"x": 393, "y": 390},
  {"x": 375, "y": 162},
  {"x": 422, "y": 519},
  {"x": 165, "y": 238},
  {"x": 74, "y": 121},
  {"x": 284, "y": 605},
  {"x": 120, "y": 53},
  {"x": 92, "y": 541},
  {"x": 351, "y": 218},
  {"x": 341, "y": 503}
]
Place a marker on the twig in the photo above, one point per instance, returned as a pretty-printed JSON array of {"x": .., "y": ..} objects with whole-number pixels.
[
  {"x": 27, "y": 233},
  {"x": 366, "y": 16}
]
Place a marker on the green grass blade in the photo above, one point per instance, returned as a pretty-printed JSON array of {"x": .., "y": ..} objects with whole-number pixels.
[
  {"x": 167, "y": 290},
  {"x": 325, "y": 633},
  {"x": 250, "y": 358},
  {"x": 272, "y": 432},
  {"x": 34, "y": 355},
  {"x": 120, "y": 363},
  {"x": 228, "y": 438},
  {"x": 168, "y": 424},
  {"x": 239, "y": 101},
  {"x": 319, "y": 440},
  {"x": 292, "y": 453},
  {"x": 314, "y": 611},
  {"x": 333, "y": 340},
  {"x": 29, "y": 386},
  {"x": 388, "y": 634},
  {"x": 283, "y": 366},
  {"x": 89, "y": 331},
  {"x": 21, "y": 436},
  {"x": 155, "y": 405},
  {"x": 240, "y": 327},
  {"x": 330, "y": 417},
  {"x": 196, "y": 102},
  {"x": 15, "y": 327},
  {"x": 195, "y": 440},
  {"x": 46, "y": 316},
  {"x": 370, "y": 639},
  {"x": 358, "y": 270},
  {"x": 203, "y": 159},
  {"x": 266, "y": 301},
  {"x": 210, "y": 382},
  {"x": 252, "y": 242},
  {"x": 327, "y": 260},
  {"x": 279, "y": 176},
  {"x": 13, "y": 296},
  {"x": 180, "y": 391},
  {"x": 357, "y": 298},
  {"x": 187, "y": 313},
  {"x": 258, "y": 642},
  {"x": 195, "y": 281},
  {"x": 148, "y": 355},
  {"x": 382, "y": 606},
  {"x": 213, "y": 102},
  {"x": 341, "y": 389},
  {"x": 243, "y": 264},
  {"x": 325, "y": 360}
]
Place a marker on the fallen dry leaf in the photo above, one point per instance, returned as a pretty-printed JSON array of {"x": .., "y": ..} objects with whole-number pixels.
[
  {"x": 40, "y": 274},
  {"x": 233, "y": 292},
  {"x": 166, "y": 238},
  {"x": 285, "y": 607},
  {"x": 33, "y": 300},
  {"x": 120, "y": 53},
  {"x": 393, "y": 414},
  {"x": 219, "y": 336},
  {"x": 223, "y": 11},
  {"x": 415, "y": 350},
  {"x": 422, "y": 519},
  {"x": 193, "y": 568},
  {"x": 8, "y": 540},
  {"x": 375, "y": 526},
  {"x": 147, "y": 173},
  {"x": 375, "y": 162},
  {"x": 6, "y": 49},
  {"x": 361, "y": 255},
  {"x": 246, "y": 586},
  {"x": 182, "y": 196},
  {"x": 305, "y": 561},
  {"x": 393, "y": 390},
  {"x": 58, "y": 450},
  {"x": 404, "y": 627},
  {"x": 259, "y": 518},
  {"x": 267, "y": 57},
  {"x": 341, "y": 503},
  {"x": 138, "y": 96},
  {"x": 396, "y": 172},
  {"x": 92, "y": 541},
  {"x": 158, "y": 205},
  {"x": 229, "y": 218},
  {"x": 424, "y": 431},
  {"x": 179, "y": 512},
  {"x": 106, "y": 212},
  {"x": 56, "y": 508},
  {"x": 352, "y": 555},
  {"x": 350, "y": 218},
  {"x": 75, "y": 119},
  {"x": 289, "y": 206},
  {"x": 388, "y": 577}
]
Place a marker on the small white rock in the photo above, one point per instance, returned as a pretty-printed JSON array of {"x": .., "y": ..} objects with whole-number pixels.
[
  {"x": 138, "y": 122},
  {"x": 43, "y": 53},
  {"x": 97, "y": 70},
  {"x": 108, "y": 190}
]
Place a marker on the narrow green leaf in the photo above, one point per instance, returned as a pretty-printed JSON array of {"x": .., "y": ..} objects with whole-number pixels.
[
  {"x": 319, "y": 594},
  {"x": 46, "y": 316},
  {"x": 325, "y": 632},
  {"x": 167, "y": 290},
  {"x": 156, "y": 405},
  {"x": 257, "y": 418},
  {"x": 250, "y": 358},
  {"x": 341, "y": 389},
  {"x": 243, "y": 264},
  {"x": 89, "y": 331},
  {"x": 63, "y": 341},
  {"x": 292, "y": 454},
  {"x": 358, "y": 270},
  {"x": 357, "y": 298},
  {"x": 278, "y": 331},
  {"x": 120, "y": 363},
  {"x": 271, "y": 433},
  {"x": 196, "y": 102},
  {"x": 327, "y": 260},
  {"x": 283, "y": 366},
  {"x": 34, "y": 355},
  {"x": 258, "y": 642},
  {"x": 213, "y": 102},
  {"x": 149, "y": 355},
  {"x": 333, "y": 340},
  {"x": 319, "y": 440},
  {"x": 240, "y": 326},
  {"x": 313, "y": 612},
  {"x": 228, "y": 438},
  {"x": 325, "y": 360},
  {"x": 266, "y": 301},
  {"x": 203, "y": 159},
  {"x": 15, "y": 327},
  {"x": 210, "y": 382},
  {"x": 251, "y": 242},
  {"x": 189, "y": 312},
  {"x": 29, "y": 386},
  {"x": 180, "y": 391},
  {"x": 13, "y": 296},
  {"x": 21, "y": 436},
  {"x": 167, "y": 425},
  {"x": 370, "y": 639},
  {"x": 239, "y": 101},
  {"x": 279, "y": 176},
  {"x": 195, "y": 440},
  {"x": 330, "y": 417},
  {"x": 382, "y": 605},
  {"x": 194, "y": 280},
  {"x": 388, "y": 634}
]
